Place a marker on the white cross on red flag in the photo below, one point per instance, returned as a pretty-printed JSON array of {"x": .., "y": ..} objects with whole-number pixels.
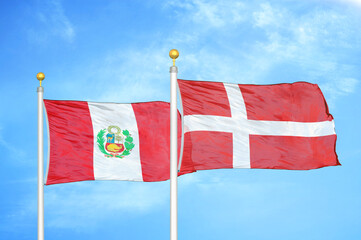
[{"x": 281, "y": 126}]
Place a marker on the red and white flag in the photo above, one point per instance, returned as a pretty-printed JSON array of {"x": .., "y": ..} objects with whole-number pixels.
[
  {"x": 108, "y": 141},
  {"x": 282, "y": 126}
]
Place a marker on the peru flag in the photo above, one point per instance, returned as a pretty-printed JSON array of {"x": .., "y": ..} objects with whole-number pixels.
[
  {"x": 282, "y": 126},
  {"x": 108, "y": 141}
]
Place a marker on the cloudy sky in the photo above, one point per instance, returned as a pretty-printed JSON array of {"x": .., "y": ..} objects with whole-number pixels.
[{"x": 118, "y": 51}]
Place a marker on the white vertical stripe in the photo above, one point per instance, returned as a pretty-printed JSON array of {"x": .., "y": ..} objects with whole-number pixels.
[
  {"x": 241, "y": 149},
  {"x": 129, "y": 168},
  {"x": 236, "y": 101}
]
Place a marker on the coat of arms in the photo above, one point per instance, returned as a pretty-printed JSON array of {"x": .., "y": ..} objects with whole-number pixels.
[{"x": 116, "y": 143}]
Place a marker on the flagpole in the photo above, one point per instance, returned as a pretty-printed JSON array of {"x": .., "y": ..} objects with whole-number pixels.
[
  {"x": 173, "y": 148},
  {"x": 40, "y": 76}
]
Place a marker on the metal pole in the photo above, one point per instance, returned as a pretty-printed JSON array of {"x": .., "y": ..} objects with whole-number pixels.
[
  {"x": 173, "y": 148},
  {"x": 40, "y": 90}
]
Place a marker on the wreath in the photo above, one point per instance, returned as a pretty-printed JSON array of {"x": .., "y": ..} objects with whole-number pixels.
[{"x": 128, "y": 143}]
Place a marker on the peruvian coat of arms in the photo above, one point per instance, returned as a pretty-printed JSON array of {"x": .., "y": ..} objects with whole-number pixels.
[{"x": 114, "y": 142}]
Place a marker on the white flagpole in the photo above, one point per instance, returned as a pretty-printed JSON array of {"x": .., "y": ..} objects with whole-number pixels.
[
  {"x": 173, "y": 148},
  {"x": 40, "y": 76}
]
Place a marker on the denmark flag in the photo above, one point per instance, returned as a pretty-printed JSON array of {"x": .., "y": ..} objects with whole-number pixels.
[
  {"x": 282, "y": 126},
  {"x": 108, "y": 141}
]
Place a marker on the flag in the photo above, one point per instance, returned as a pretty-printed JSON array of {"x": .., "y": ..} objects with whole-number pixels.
[
  {"x": 108, "y": 141},
  {"x": 281, "y": 126}
]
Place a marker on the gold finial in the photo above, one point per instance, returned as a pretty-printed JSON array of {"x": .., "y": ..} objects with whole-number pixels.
[
  {"x": 173, "y": 54},
  {"x": 40, "y": 76}
]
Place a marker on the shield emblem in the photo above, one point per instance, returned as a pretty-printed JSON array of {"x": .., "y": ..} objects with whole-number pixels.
[
  {"x": 116, "y": 143},
  {"x": 114, "y": 147}
]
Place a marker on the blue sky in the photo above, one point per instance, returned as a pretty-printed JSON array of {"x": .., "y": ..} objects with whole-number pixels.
[{"x": 118, "y": 51}]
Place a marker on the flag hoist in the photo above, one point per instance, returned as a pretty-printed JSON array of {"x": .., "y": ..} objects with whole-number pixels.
[
  {"x": 173, "y": 147},
  {"x": 40, "y": 76}
]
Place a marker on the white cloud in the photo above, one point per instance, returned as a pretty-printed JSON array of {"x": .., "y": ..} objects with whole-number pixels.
[
  {"x": 352, "y": 2},
  {"x": 13, "y": 150},
  {"x": 232, "y": 42},
  {"x": 138, "y": 74},
  {"x": 267, "y": 16},
  {"x": 313, "y": 43},
  {"x": 210, "y": 13},
  {"x": 52, "y": 22},
  {"x": 335, "y": 88},
  {"x": 210, "y": 184},
  {"x": 348, "y": 85},
  {"x": 84, "y": 205}
]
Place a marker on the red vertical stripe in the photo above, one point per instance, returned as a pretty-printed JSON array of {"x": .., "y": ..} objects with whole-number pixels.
[
  {"x": 295, "y": 153},
  {"x": 153, "y": 120},
  {"x": 71, "y": 142}
]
